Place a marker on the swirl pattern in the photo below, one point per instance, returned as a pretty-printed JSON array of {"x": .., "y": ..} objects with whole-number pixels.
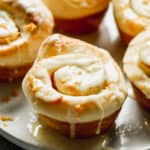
[
  {"x": 23, "y": 26},
  {"x": 133, "y": 16},
  {"x": 8, "y": 29},
  {"x": 141, "y": 7},
  {"x": 74, "y": 82},
  {"x": 78, "y": 75},
  {"x": 137, "y": 62}
]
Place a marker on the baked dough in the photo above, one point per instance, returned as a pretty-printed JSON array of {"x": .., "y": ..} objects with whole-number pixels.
[
  {"x": 75, "y": 9},
  {"x": 132, "y": 16},
  {"x": 77, "y": 16},
  {"x": 23, "y": 26},
  {"x": 74, "y": 82},
  {"x": 137, "y": 63}
]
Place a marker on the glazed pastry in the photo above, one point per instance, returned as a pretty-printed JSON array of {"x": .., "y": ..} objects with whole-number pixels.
[
  {"x": 132, "y": 16},
  {"x": 74, "y": 87},
  {"x": 137, "y": 67},
  {"x": 77, "y": 16},
  {"x": 23, "y": 26}
]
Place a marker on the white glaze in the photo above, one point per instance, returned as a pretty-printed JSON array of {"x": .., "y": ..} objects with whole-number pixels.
[
  {"x": 74, "y": 80},
  {"x": 102, "y": 114},
  {"x": 144, "y": 55},
  {"x": 7, "y": 26},
  {"x": 18, "y": 42},
  {"x": 72, "y": 130},
  {"x": 96, "y": 65},
  {"x": 141, "y": 7},
  {"x": 132, "y": 16},
  {"x": 137, "y": 53}
]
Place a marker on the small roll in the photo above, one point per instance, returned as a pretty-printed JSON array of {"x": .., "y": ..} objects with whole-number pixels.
[
  {"x": 23, "y": 26},
  {"x": 132, "y": 16},
  {"x": 74, "y": 85},
  {"x": 77, "y": 16},
  {"x": 137, "y": 67}
]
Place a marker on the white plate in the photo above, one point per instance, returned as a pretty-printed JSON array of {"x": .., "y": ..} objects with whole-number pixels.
[{"x": 130, "y": 131}]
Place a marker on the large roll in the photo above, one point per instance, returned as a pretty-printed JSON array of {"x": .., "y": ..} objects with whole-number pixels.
[{"x": 76, "y": 88}]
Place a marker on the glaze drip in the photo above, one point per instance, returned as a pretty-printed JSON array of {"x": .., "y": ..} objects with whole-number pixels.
[
  {"x": 72, "y": 130},
  {"x": 101, "y": 110}
]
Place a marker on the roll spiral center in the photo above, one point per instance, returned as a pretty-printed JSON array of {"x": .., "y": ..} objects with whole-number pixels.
[{"x": 79, "y": 81}]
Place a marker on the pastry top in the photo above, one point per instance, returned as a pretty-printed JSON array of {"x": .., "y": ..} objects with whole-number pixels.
[
  {"x": 75, "y": 9},
  {"x": 132, "y": 16},
  {"x": 73, "y": 81},
  {"x": 137, "y": 62},
  {"x": 23, "y": 25}
]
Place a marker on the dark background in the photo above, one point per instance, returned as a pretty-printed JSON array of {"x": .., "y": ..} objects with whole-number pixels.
[{"x": 6, "y": 145}]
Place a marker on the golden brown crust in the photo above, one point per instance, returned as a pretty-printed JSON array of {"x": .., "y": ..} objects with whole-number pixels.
[
  {"x": 125, "y": 37},
  {"x": 141, "y": 98},
  {"x": 145, "y": 67},
  {"x": 10, "y": 74},
  {"x": 71, "y": 9},
  {"x": 77, "y": 26},
  {"x": 82, "y": 130}
]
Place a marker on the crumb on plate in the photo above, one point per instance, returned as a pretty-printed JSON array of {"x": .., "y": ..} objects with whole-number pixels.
[
  {"x": 15, "y": 92},
  {"x": 6, "y": 118},
  {"x": 5, "y": 99}
]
